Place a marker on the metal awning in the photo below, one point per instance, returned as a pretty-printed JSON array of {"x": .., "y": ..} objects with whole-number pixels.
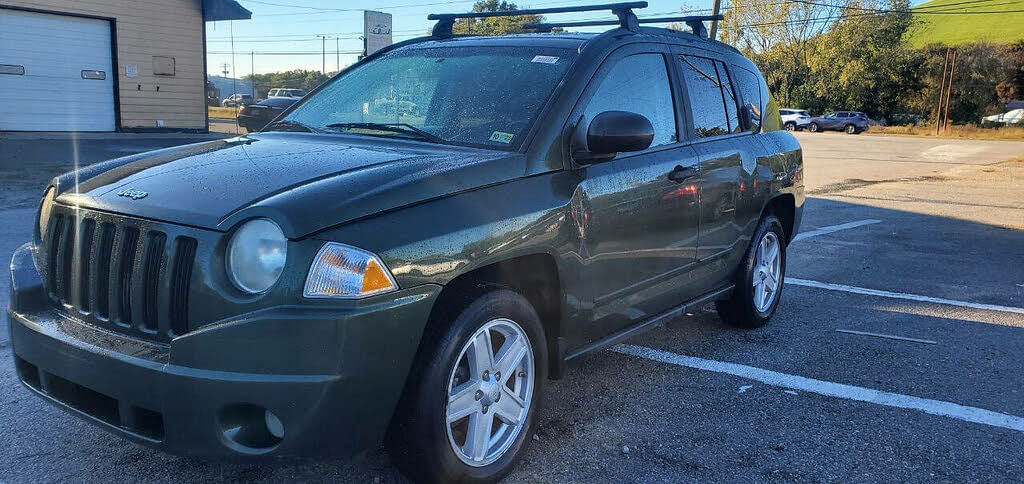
[{"x": 224, "y": 10}]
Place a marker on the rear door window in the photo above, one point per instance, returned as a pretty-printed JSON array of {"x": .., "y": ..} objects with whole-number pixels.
[
  {"x": 638, "y": 84},
  {"x": 704, "y": 90}
]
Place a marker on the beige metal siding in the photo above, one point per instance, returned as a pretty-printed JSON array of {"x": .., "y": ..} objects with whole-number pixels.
[{"x": 147, "y": 28}]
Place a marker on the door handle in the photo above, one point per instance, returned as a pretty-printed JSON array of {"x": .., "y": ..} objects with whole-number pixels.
[{"x": 680, "y": 174}]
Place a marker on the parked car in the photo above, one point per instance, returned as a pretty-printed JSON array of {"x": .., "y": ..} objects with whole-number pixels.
[
  {"x": 850, "y": 122},
  {"x": 345, "y": 277},
  {"x": 286, "y": 93},
  {"x": 255, "y": 116},
  {"x": 794, "y": 119},
  {"x": 236, "y": 100}
]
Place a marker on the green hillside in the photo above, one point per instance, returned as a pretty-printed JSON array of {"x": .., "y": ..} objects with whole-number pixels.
[{"x": 960, "y": 29}]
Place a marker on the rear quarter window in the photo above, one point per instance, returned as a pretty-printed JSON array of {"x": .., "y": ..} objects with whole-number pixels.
[{"x": 750, "y": 90}]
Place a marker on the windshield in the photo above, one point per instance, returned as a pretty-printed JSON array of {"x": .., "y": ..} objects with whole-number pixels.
[{"x": 485, "y": 96}]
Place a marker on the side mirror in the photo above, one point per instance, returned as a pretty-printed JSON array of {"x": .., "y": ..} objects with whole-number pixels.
[
  {"x": 612, "y": 132},
  {"x": 753, "y": 116}
]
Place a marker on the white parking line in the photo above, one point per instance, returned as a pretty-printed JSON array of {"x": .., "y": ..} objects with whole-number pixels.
[
  {"x": 901, "y": 295},
  {"x": 888, "y": 336},
  {"x": 831, "y": 389},
  {"x": 833, "y": 228}
]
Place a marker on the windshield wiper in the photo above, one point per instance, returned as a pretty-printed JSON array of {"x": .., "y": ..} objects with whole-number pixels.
[
  {"x": 289, "y": 125},
  {"x": 401, "y": 128}
]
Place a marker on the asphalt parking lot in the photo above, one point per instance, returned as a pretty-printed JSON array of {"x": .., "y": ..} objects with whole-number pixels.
[{"x": 897, "y": 353}]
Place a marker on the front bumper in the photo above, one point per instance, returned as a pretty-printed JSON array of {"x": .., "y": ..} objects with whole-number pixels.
[{"x": 331, "y": 375}]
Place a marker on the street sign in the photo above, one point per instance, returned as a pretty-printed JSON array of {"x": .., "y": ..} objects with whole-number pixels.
[{"x": 376, "y": 31}]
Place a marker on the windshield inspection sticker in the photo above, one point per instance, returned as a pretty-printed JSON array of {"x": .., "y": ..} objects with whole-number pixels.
[
  {"x": 501, "y": 137},
  {"x": 545, "y": 59}
]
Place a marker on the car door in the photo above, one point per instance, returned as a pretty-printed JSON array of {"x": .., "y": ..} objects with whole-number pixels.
[
  {"x": 637, "y": 213},
  {"x": 839, "y": 121},
  {"x": 728, "y": 156}
]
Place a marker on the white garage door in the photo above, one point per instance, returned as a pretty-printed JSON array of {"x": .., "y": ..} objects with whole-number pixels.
[{"x": 55, "y": 73}]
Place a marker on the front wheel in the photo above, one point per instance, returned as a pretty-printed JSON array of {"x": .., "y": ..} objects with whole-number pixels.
[
  {"x": 813, "y": 127},
  {"x": 850, "y": 129},
  {"x": 760, "y": 278},
  {"x": 470, "y": 402}
]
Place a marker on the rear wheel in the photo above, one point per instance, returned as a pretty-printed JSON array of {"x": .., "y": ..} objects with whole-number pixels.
[
  {"x": 813, "y": 127},
  {"x": 760, "y": 278},
  {"x": 470, "y": 402},
  {"x": 790, "y": 126}
]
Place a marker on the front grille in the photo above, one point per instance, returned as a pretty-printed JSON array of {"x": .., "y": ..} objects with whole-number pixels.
[{"x": 119, "y": 274}]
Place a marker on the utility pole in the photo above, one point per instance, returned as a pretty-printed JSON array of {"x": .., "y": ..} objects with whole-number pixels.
[
  {"x": 942, "y": 88},
  {"x": 252, "y": 73},
  {"x": 225, "y": 69},
  {"x": 949, "y": 91},
  {"x": 323, "y": 53},
  {"x": 715, "y": 9}
]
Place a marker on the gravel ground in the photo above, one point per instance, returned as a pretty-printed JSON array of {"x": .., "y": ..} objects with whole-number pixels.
[{"x": 942, "y": 218}]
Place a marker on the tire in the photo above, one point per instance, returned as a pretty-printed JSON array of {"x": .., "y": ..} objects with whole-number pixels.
[
  {"x": 813, "y": 127},
  {"x": 421, "y": 441},
  {"x": 790, "y": 126},
  {"x": 850, "y": 129},
  {"x": 744, "y": 308}
]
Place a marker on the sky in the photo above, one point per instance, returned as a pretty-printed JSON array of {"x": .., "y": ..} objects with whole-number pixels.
[
  {"x": 282, "y": 34},
  {"x": 291, "y": 27}
]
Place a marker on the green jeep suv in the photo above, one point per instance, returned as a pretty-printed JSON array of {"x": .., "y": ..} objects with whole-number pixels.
[{"x": 407, "y": 254}]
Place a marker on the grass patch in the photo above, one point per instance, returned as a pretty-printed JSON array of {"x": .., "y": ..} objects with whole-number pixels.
[
  {"x": 953, "y": 30},
  {"x": 219, "y": 112},
  {"x": 967, "y": 131}
]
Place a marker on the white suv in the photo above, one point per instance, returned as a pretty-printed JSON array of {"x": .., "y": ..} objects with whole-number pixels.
[
  {"x": 286, "y": 93},
  {"x": 794, "y": 119}
]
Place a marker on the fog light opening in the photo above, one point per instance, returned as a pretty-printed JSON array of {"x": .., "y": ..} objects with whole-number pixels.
[
  {"x": 250, "y": 429},
  {"x": 274, "y": 424}
]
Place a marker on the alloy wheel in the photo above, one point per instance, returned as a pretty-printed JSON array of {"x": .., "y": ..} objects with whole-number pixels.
[
  {"x": 489, "y": 392},
  {"x": 767, "y": 271}
]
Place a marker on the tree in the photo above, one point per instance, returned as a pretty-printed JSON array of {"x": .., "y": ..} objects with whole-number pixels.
[
  {"x": 777, "y": 35},
  {"x": 297, "y": 78},
  {"x": 495, "y": 25}
]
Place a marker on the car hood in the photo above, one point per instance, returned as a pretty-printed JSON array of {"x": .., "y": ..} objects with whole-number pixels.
[{"x": 304, "y": 182}]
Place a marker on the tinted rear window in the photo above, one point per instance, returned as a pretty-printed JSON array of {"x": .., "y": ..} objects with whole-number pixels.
[{"x": 704, "y": 91}]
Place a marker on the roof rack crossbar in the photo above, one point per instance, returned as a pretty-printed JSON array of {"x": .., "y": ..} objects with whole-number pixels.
[
  {"x": 695, "y": 22},
  {"x": 627, "y": 19}
]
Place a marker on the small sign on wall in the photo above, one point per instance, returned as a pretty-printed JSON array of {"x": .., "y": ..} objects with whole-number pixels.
[
  {"x": 131, "y": 70},
  {"x": 163, "y": 65}
]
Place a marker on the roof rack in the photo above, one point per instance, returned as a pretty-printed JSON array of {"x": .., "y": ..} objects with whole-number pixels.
[
  {"x": 695, "y": 22},
  {"x": 627, "y": 19}
]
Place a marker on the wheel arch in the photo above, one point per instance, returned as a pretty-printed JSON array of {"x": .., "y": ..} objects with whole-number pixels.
[
  {"x": 783, "y": 206},
  {"x": 534, "y": 276}
]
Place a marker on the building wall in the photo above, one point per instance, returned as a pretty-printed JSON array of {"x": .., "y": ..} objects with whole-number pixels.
[{"x": 147, "y": 28}]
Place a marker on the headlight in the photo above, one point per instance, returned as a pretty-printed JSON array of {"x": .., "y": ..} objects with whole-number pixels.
[
  {"x": 341, "y": 271},
  {"x": 256, "y": 255},
  {"x": 44, "y": 211}
]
